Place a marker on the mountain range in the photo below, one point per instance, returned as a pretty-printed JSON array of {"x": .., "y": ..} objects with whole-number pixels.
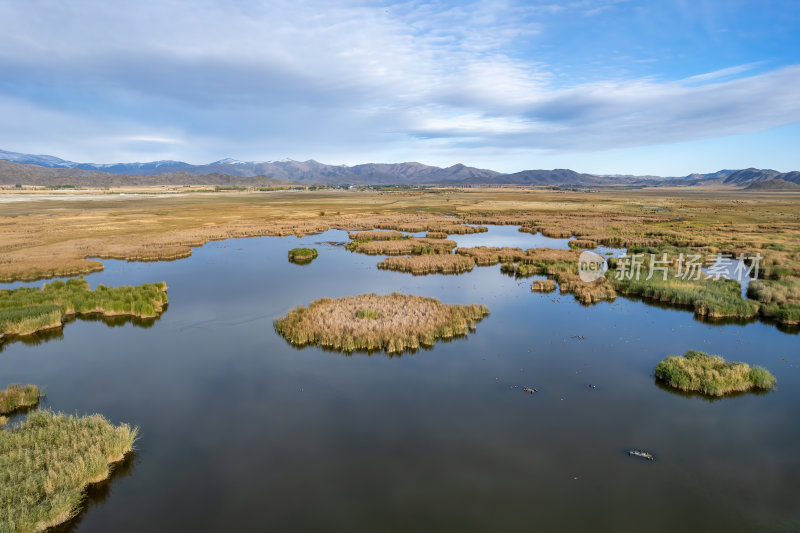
[{"x": 49, "y": 170}]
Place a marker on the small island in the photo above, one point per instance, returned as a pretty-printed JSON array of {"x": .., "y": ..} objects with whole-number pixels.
[
  {"x": 391, "y": 323},
  {"x": 48, "y": 460},
  {"x": 429, "y": 264},
  {"x": 16, "y": 397},
  {"x": 302, "y": 256},
  {"x": 543, "y": 285},
  {"x": 711, "y": 374},
  {"x": 26, "y": 310}
]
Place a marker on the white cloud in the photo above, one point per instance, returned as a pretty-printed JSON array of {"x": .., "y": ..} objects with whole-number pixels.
[{"x": 201, "y": 80}]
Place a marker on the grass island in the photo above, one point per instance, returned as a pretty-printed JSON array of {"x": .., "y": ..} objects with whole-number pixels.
[
  {"x": 26, "y": 310},
  {"x": 429, "y": 264},
  {"x": 392, "y": 323},
  {"x": 302, "y": 255},
  {"x": 711, "y": 374},
  {"x": 48, "y": 460},
  {"x": 17, "y": 396}
]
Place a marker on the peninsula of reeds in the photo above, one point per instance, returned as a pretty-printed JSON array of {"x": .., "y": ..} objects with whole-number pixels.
[
  {"x": 429, "y": 264},
  {"x": 543, "y": 285},
  {"x": 48, "y": 460},
  {"x": 405, "y": 246},
  {"x": 26, "y": 310},
  {"x": 17, "y": 396},
  {"x": 721, "y": 298},
  {"x": 391, "y": 323},
  {"x": 711, "y": 374},
  {"x": 302, "y": 255}
]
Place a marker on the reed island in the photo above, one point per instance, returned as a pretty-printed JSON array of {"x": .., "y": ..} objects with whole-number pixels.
[
  {"x": 711, "y": 374},
  {"x": 48, "y": 460},
  {"x": 15, "y": 397},
  {"x": 392, "y": 323},
  {"x": 302, "y": 256},
  {"x": 26, "y": 310}
]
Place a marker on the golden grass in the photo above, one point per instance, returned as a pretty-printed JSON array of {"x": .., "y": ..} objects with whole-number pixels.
[
  {"x": 45, "y": 237},
  {"x": 403, "y": 322},
  {"x": 416, "y": 246},
  {"x": 48, "y": 460},
  {"x": 546, "y": 285},
  {"x": 436, "y": 235},
  {"x": 376, "y": 235},
  {"x": 429, "y": 264},
  {"x": 492, "y": 255},
  {"x": 17, "y": 396},
  {"x": 711, "y": 374},
  {"x": 584, "y": 244}
]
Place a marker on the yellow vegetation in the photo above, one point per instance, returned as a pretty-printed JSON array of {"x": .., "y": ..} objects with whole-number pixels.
[{"x": 396, "y": 323}]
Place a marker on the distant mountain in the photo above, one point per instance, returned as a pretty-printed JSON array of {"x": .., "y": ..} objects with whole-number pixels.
[
  {"x": 232, "y": 171},
  {"x": 153, "y": 167},
  {"x": 18, "y": 173},
  {"x": 773, "y": 185}
]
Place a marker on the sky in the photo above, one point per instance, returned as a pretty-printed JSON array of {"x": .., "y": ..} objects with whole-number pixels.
[{"x": 663, "y": 87}]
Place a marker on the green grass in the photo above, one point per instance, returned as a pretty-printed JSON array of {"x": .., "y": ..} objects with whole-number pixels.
[
  {"x": 17, "y": 396},
  {"x": 29, "y": 309},
  {"x": 48, "y": 460},
  {"x": 711, "y": 374},
  {"x": 302, "y": 255},
  {"x": 720, "y": 298},
  {"x": 780, "y": 299},
  {"x": 368, "y": 313}
]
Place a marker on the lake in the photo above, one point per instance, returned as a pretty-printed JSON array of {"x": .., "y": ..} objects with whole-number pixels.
[{"x": 242, "y": 432}]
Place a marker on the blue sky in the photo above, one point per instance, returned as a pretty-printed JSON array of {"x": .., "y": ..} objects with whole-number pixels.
[{"x": 608, "y": 86}]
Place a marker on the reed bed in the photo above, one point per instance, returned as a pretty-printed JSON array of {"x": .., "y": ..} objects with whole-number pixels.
[
  {"x": 457, "y": 229},
  {"x": 710, "y": 298},
  {"x": 543, "y": 285},
  {"x": 584, "y": 244},
  {"x": 302, "y": 255},
  {"x": 780, "y": 299},
  {"x": 17, "y": 396},
  {"x": 403, "y": 322},
  {"x": 48, "y": 460},
  {"x": 376, "y": 235},
  {"x": 492, "y": 255},
  {"x": 711, "y": 374},
  {"x": 29, "y": 309},
  {"x": 436, "y": 235},
  {"x": 412, "y": 246},
  {"x": 429, "y": 264},
  {"x": 562, "y": 266}
]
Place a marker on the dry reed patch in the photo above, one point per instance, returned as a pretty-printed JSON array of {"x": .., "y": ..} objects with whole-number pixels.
[
  {"x": 48, "y": 460},
  {"x": 397, "y": 322},
  {"x": 412, "y": 246},
  {"x": 711, "y": 374},
  {"x": 429, "y": 264},
  {"x": 585, "y": 244},
  {"x": 543, "y": 285},
  {"x": 376, "y": 235},
  {"x": 17, "y": 396},
  {"x": 436, "y": 235},
  {"x": 491, "y": 255},
  {"x": 457, "y": 229}
]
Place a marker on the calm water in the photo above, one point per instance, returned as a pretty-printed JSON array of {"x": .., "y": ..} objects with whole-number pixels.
[{"x": 241, "y": 432}]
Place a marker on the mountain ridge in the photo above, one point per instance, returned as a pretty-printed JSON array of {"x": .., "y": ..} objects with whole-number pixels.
[{"x": 230, "y": 171}]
